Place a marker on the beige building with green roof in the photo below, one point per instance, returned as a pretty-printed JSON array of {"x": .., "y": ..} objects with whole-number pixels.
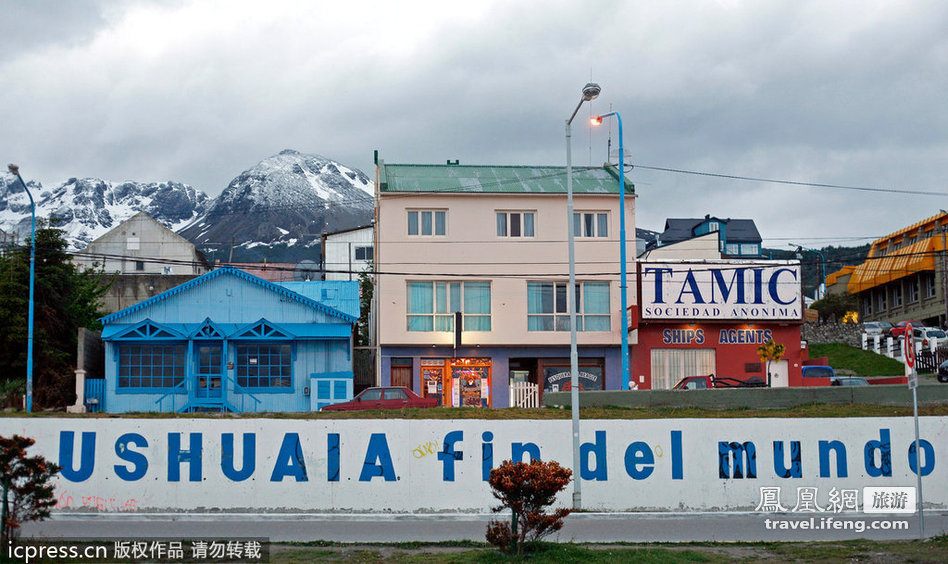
[{"x": 488, "y": 244}]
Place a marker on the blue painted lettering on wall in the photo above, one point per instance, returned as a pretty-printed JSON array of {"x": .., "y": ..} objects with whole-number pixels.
[
  {"x": 683, "y": 336},
  {"x": 135, "y": 457},
  {"x": 728, "y": 286},
  {"x": 744, "y": 336}
]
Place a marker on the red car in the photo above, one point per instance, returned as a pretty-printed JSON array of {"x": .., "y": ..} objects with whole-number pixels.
[
  {"x": 899, "y": 328},
  {"x": 390, "y": 397}
]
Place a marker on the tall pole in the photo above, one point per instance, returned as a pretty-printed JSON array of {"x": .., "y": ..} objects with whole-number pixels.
[
  {"x": 800, "y": 249},
  {"x": 623, "y": 284},
  {"x": 590, "y": 91},
  {"x": 29, "y": 339}
]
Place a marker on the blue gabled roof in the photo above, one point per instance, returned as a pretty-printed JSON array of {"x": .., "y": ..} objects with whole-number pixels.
[{"x": 237, "y": 273}]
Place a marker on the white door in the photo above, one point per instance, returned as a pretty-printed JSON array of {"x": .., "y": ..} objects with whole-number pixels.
[
  {"x": 671, "y": 365},
  {"x": 779, "y": 374}
]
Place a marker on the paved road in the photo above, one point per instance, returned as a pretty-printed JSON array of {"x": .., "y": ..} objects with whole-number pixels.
[{"x": 580, "y": 527}]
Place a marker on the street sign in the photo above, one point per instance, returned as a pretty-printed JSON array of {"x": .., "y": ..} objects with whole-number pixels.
[
  {"x": 913, "y": 380},
  {"x": 909, "y": 345}
]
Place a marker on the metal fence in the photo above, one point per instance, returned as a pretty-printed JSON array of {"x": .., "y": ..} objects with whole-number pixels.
[{"x": 363, "y": 368}]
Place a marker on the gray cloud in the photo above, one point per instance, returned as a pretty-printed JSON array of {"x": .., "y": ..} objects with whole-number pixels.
[{"x": 838, "y": 93}]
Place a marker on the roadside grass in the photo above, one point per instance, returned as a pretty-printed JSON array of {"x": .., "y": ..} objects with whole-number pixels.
[
  {"x": 605, "y": 412},
  {"x": 862, "y": 550},
  {"x": 863, "y": 363}
]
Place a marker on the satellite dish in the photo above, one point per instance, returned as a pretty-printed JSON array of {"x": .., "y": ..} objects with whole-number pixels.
[{"x": 307, "y": 270}]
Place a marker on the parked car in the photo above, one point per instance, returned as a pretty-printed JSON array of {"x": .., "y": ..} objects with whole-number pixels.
[
  {"x": 849, "y": 381},
  {"x": 943, "y": 372},
  {"x": 712, "y": 381},
  {"x": 924, "y": 335},
  {"x": 387, "y": 397},
  {"x": 899, "y": 327},
  {"x": 877, "y": 328}
]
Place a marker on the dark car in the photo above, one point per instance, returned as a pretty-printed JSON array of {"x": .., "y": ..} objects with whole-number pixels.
[
  {"x": 849, "y": 381},
  {"x": 943, "y": 372},
  {"x": 388, "y": 397}
]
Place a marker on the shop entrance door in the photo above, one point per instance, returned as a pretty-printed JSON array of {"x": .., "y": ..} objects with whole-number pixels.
[
  {"x": 470, "y": 382},
  {"x": 432, "y": 379},
  {"x": 210, "y": 370},
  {"x": 779, "y": 374},
  {"x": 401, "y": 372}
]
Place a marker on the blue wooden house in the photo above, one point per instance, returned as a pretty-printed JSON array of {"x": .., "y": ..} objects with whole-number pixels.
[{"x": 231, "y": 341}]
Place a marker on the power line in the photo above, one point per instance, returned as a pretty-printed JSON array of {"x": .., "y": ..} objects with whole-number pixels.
[{"x": 790, "y": 182}]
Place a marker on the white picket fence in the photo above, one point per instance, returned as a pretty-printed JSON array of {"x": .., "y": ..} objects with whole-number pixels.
[
  {"x": 892, "y": 348},
  {"x": 524, "y": 394}
]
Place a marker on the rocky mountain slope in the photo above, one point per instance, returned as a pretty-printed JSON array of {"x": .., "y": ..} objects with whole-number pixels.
[{"x": 279, "y": 208}]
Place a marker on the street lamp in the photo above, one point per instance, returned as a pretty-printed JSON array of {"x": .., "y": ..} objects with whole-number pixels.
[
  {"x": 590, "y": 92},
  {"x": 799, "y": 253},
  {"x": 622, "y": 260},
  {"x": 15, "y": 170}
]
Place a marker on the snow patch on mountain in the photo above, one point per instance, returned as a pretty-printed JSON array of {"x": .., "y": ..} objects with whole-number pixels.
[{"x": 87, "y": 208}]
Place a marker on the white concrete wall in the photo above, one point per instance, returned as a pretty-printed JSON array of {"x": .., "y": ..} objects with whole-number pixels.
[
  {"x": 438, "y": 465},
  {"x": 340, "y": 254}
]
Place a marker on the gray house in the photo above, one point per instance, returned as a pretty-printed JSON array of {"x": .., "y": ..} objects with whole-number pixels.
[{"x": 146, "y": 258}]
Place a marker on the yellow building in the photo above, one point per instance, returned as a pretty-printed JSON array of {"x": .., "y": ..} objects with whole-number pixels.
[{"x": 903, "y": 278}]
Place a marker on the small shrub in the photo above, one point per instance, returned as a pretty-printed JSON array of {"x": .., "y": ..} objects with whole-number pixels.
[{"x": 527, "y": 490}]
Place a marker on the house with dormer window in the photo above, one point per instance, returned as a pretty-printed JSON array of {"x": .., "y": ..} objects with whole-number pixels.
[
  {"x": 737, "y": 238},
  {"x": 230, "y": 341}
]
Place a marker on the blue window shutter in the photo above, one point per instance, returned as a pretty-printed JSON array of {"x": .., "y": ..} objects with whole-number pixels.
[
  {"x": 323, "y": 390},
  {"x": 339, "y": 389}
]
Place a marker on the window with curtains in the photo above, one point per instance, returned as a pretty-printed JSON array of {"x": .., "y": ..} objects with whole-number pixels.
[
  {"x": 671, "y": 365},
  {"x": 515, "y": 224},
  {"x": 431, "y": 305},
  {"x": 427, "y": 222},
  {"x": 548, "y": 308},
  {"x": 590, "y": 224},
  {"x": 150, "y": 366}
]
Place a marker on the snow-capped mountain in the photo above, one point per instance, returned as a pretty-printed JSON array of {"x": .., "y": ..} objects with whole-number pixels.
[
  {"x": 280, "y": 207},
  {"x": 87, "y": 208}
]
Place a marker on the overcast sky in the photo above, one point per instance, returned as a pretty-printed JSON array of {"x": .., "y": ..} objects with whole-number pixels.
[{"x": 843, "y": 93}]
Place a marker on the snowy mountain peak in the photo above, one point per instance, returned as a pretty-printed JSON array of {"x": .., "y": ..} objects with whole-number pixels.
[
  {"x": 87, "y": 208},
  {"x": 290, "y": 176},
  {"x": 293, "y": 199}
]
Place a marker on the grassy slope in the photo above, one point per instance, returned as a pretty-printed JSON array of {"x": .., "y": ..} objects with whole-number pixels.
[{"x": 863, "y": 363}]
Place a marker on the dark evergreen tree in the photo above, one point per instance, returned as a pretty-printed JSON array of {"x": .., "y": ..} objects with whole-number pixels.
[
  {"x": 65, "y": 299},
  {"x": 27, "y": 490}
]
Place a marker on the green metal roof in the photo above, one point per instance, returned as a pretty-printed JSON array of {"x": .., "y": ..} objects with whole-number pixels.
[{"x": 455, "y": 178}]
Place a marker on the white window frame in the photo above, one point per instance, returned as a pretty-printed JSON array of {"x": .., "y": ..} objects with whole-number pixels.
[
  {"x": 367, "y": 250},
  {"x": 506, "y": 228},
  {"x": 443, "y": 305},
  {"x": 589, "y": 224},
  {"x": 416, "y": 219}
]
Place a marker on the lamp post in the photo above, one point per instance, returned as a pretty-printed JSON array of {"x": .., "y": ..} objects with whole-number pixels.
[
  {"x": 800, "y": 249},
  {"x": 623, "y": 286},
  {"x": 590, "y": 92},
  {"x": 15, "y": 170}
]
